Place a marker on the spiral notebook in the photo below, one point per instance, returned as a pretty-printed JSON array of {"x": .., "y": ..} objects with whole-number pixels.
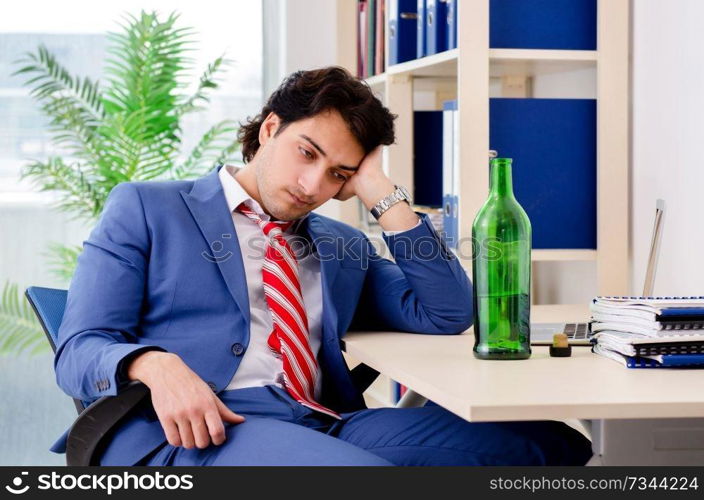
[
  {"x": 657, "y": 306},
  {"x": 656, "y": 361},
  {"x": 651, "y": 316},
  {"x": 640, "y": 345}
]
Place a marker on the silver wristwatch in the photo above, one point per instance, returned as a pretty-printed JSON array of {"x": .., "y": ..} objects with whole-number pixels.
[{"x": 399, "y": 194}]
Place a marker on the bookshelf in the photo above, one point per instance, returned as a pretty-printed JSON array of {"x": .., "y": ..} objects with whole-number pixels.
[{"x": 465, "y": 74}]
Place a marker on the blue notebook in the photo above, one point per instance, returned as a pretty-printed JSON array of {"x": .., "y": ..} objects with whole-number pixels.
[
  {"x": 656, "y": 361},
  {"x": 665, "y": 361}
]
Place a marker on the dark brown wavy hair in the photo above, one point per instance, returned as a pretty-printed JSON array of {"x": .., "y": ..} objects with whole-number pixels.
[{"x": 304, "y": 94}]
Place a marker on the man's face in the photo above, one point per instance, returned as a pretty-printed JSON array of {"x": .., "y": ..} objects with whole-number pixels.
[{"x": 305, "y": 165}]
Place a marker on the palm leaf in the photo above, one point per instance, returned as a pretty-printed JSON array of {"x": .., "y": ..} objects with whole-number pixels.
[
  {"x": 73, "y": 105},
  {"x": 218, "y": 143},
  {"x": 63, "y": 260},
  {"x": 54, "y": 79},
  {"x": 128, "y": 129},
  {"x": 19, "y": 329},
  {"x": 79, "y": 194},
  {"x": 207, "y": 81},
  {"x": 148, "y": 59}
]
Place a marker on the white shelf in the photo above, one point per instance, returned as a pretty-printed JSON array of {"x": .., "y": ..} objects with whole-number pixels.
[
  {"x": 428, "y": 73},
  {"x": 543, "y": 55},
  {"x": 377, "y": 82},
  {"x": 537, "y": 255},
  {"x": 529, "y": 62},
  {"x": 571, "y": 255},
  {"x": 443, "y": 64}
]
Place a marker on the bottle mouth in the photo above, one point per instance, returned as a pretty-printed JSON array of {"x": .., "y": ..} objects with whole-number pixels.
[{"x": 502, "y": 162}]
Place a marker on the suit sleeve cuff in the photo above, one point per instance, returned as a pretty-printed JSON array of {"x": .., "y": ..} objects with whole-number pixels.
[
  {"x": 422, "y": 241},
  {"x": 130, "y": 352},
  {"x": 394, "y": 233}
]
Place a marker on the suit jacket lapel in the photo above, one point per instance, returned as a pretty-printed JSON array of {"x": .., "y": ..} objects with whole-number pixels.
[{"x": 207, "y": 204}]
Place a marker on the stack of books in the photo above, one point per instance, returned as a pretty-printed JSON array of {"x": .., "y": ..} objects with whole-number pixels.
[
  {"x": 371, "y": 37},
  {"x": 649, "y": 332}
]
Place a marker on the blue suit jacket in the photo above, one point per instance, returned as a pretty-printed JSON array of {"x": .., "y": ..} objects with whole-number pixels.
[{"x": 163, "y": 270}]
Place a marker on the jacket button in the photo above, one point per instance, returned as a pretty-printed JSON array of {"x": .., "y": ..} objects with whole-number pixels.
[
  {"x": 212, "y": 386},
  {"x": 237, "y": 349}
]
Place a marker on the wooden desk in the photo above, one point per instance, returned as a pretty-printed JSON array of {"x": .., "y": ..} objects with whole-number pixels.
[{"x": 584, "y": 386}]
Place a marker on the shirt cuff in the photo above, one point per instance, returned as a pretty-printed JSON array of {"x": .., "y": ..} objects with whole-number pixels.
[{"x": 394, "y": 233}]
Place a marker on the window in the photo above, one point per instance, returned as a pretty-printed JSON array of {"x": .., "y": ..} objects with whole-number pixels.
[{"x": 76, "y": 36}]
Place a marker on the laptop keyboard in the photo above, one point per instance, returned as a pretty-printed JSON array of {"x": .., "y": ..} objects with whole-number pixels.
[{"x": 577, "y": 330}]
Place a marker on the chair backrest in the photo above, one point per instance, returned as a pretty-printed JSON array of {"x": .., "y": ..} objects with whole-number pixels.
[{"x": 49, "y": 305}]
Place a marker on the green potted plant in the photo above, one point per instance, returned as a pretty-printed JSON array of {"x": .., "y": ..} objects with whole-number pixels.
[{"x": 128, "y": 129}]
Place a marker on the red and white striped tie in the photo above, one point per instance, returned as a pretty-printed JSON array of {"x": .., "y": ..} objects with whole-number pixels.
[{"x": 290, "y": 337}]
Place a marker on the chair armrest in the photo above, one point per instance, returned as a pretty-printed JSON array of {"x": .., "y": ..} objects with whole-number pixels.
[
  {"x": 97, "y": 420},
  {"x": 101, "y": 416}
]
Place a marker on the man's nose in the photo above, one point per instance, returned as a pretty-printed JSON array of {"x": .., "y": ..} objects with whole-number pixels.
[{"x": 310, "y": 183}]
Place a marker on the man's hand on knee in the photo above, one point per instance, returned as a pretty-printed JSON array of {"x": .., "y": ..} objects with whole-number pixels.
[{"x": 190, "y": 413}]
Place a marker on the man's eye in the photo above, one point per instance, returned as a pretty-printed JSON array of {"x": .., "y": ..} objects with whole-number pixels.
[
  {"x": 306, "y": 153},
  {"x": 339, "y": 176}
]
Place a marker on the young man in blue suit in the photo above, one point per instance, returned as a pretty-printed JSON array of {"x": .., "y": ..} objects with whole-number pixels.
[{"x": 177, "y": 287}]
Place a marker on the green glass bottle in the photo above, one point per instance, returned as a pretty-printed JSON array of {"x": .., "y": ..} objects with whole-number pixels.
[{"x": 501, "y": 237}]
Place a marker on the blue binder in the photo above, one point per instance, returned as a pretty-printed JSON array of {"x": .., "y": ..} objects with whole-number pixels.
[
  {"x": 427, "y": 158},
  {"x": 403, "y": 20},
  {"x": 553, "y": 146},
  {"x": 435, "y": 26},
  {"x": 420, "y": 33},
  {"x": 452, "y": 24},
  {"x": 450, "y": 188},
  {"x": 543, "y": 24}
]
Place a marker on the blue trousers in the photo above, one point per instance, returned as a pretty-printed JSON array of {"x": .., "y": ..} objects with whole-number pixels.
[{"x": 280, "y": 431}]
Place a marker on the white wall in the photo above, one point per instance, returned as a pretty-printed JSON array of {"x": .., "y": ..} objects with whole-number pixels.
[
  {"x": 311, "y": 39},
  {"x": 668, "y": 106}
]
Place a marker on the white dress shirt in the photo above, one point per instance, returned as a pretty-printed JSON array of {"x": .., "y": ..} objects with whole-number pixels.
[{"x": 259, "y": 366}]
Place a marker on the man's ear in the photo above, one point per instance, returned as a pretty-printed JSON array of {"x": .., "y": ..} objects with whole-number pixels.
[{"x": 269, "y": 127}]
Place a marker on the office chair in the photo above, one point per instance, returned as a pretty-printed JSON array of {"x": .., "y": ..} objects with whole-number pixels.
[{"x": 96, "y": 419}]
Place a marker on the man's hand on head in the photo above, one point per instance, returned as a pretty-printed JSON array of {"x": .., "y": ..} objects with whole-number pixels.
[{"x": 369, "y": 182}]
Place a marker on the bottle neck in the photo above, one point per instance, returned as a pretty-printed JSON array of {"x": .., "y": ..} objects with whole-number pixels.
[{"x": 501, "y": 182}]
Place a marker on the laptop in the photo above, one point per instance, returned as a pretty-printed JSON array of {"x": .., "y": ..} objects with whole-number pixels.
[{"x": 580, "y": 333}]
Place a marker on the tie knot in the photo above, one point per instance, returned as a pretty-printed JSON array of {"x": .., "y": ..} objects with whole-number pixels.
[{"x": 270, "y": 228}]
